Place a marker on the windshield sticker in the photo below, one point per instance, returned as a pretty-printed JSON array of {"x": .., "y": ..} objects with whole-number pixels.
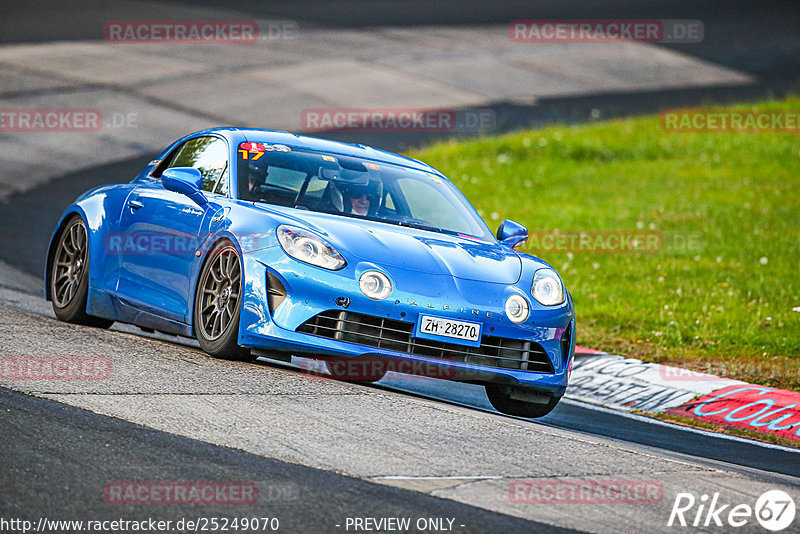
[
  {"x": 371, "y": 166},
  {"x": 329, "y": 158},
  {"x": 253, "y": 147},
  {"x": 257, "y": 149}
]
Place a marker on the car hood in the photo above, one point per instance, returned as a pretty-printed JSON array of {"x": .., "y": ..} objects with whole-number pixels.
[{"x": 409, "y": 248}]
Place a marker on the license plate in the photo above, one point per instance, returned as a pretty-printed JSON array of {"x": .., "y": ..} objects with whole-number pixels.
[{"x": 439, "y": 326}]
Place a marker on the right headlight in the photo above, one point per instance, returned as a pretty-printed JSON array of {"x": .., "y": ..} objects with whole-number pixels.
[
  {"x": 547, "y": 287},
  {"x": 308, "y": 248}
]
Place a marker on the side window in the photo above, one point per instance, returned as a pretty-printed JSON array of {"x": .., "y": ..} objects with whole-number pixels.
[
  {"x": 315, "y": 189},
  {"x": 388, "y": 204},
  {"x": 222, "y": 184},
  {"x": 273, "y": 184},
  {"x": 209, "y": 155}
]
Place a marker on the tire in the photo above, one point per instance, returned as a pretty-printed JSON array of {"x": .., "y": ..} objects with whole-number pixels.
[
  {"x": 217, "y": 305},
  {"x": 69, "y": 276},
  {"x": 364, "y": 370},
  {"x": 501, "y": 399}
]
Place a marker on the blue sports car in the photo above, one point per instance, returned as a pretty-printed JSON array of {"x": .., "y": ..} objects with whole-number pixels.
[{"x": 259, "y": 242}]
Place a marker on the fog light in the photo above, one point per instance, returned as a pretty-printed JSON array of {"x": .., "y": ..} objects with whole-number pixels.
[
  {"x": 375, "y": 285},
  {"x": 517, "y": 308}
]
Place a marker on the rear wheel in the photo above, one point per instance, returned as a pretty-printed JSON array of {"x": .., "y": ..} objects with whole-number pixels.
[
  {"x": 519, "y": 402},
  {"x": 217, "y": 305},
  {"x": 69, "y": 276}
]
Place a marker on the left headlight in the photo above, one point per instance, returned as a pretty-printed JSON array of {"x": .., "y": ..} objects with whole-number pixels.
[
  {"x": 309, "y": 248},
  {"x": 547, "y": 287}
]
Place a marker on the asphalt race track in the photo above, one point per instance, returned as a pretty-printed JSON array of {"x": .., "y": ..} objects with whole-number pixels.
[
  {"x": 95, "y": 449},
  {"x": 323, "y": 453}
]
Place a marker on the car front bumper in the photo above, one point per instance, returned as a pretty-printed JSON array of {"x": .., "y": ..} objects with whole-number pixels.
[{"x": 302, "y": 294}]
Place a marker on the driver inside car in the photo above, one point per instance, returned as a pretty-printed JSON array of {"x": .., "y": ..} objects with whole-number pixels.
[
  {"x": 363, "y": 200},
  {"x": 254, "y": 183}
]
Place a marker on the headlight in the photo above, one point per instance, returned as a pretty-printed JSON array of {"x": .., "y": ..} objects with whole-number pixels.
[
  {"x": 517, "y": 308},
  {"x": 547, "y": 287},
  {"x": 375, "y": 285},
  {"x": 309, "y": 248}
]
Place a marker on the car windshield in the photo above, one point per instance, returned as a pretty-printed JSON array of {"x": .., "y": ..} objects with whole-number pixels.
[{"x": 378, "y": 191}]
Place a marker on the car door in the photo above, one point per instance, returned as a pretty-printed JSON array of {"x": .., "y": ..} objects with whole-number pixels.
[{"x": 162, "y": 230}]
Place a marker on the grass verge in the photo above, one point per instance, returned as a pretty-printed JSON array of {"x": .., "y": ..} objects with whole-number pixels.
[{"x": 722, "y": 292}]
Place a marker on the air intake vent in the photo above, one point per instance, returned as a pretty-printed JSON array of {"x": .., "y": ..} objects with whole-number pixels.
[
  {"x": 390, "y": 334},
  {"x": 275, "y": 292},
  {"x": 566, "y": 341}
]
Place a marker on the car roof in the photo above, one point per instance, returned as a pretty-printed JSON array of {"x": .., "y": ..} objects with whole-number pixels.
[{"x": 292, "y": 140}]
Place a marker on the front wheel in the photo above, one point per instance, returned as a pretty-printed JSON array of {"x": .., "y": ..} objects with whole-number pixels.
[
  {"x": 509, "y": 400},
  {"x": 69, "y": 276},
  {"x": 217, "y": 305}
]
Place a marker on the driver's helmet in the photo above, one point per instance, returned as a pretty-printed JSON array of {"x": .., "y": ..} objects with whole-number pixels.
[{"x": 373, "y": 189}]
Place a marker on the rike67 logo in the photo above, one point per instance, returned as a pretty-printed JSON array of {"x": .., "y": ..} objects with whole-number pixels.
[{"x": 774, "y": 510}]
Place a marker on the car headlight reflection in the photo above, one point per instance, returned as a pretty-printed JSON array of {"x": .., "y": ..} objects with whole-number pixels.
[
  {"x": 308, "y": 248},
  {"x": 547, "y": 287},
  {"x": 517, "y": 308},
  {"x": 375, "y": 285}
]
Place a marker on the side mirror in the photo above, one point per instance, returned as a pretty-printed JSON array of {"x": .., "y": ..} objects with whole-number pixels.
[
  {"x": 511, "y": 233},
  {"x": 186, "y": 181}
]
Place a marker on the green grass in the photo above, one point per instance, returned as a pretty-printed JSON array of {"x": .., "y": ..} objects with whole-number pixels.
[{"x": 722, "y": 304}]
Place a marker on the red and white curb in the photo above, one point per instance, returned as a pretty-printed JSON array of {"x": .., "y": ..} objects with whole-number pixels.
[{"x": 629, "y": 384}]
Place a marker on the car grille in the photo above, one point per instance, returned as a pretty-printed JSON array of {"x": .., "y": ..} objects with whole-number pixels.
[{"x": 390, "y": 334}]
